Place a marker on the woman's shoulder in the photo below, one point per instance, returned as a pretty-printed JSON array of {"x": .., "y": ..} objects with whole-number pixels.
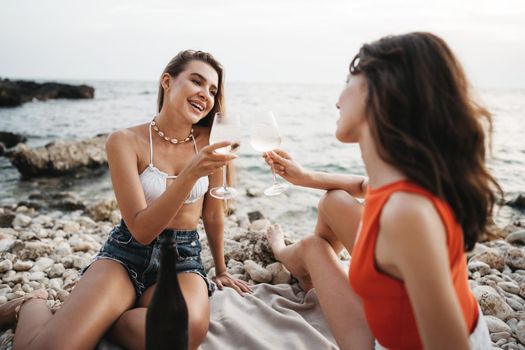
[
  {"x": 131, "y": 136},
  {"x": 406, "y": 213}
]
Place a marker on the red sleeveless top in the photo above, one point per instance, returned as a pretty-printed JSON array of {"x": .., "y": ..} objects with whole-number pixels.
[{"x": 385, "y": 299}]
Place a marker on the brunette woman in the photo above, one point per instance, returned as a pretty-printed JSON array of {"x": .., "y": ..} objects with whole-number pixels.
[{"x": 428, "y": 197}]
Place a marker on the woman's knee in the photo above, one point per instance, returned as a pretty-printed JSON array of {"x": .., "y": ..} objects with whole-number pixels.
[
  {"x": 313, "y": 245},
  {"x": 198, "y": 326},
  {"x": 336, "y": 200}
]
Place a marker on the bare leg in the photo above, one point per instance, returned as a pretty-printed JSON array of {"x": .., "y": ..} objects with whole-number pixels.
[
  {"x": 338, "y": 219},
  {"x": 317, "y": 263},
  {"x": 314, "y": 261},
  {"x": 130, "y": 329},
  {"x": 100, "y": 297},
  {"x": 290, "y": 256}
]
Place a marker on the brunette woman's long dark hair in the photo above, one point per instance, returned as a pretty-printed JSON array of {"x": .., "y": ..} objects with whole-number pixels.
[{"x": 425, "y": 123}]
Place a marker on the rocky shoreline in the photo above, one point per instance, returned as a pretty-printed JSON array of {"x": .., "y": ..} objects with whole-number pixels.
[
  {"x": 48, "y": 250},
  {"x": 14, "y": 93}
]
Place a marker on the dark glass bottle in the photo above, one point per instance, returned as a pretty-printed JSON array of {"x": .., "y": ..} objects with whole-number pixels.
[{"x": 167, "y": 316}]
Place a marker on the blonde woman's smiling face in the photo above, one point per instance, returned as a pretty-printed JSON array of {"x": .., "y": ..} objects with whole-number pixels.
[{"x": 192, "y": 93}]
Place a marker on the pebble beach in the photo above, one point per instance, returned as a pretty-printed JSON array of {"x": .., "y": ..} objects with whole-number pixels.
[{"x": 48, "y": 250}]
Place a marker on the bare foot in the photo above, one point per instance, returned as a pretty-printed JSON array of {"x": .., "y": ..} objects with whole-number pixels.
[
  {"x": 275, "y": 236},
  {"x": 289, "y": 256},
  {"x": 8, "y": 310}
]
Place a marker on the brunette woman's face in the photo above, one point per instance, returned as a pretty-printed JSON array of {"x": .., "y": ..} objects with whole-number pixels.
[
  {"x": 352, "y": 109},
  {"x": 192, "y": 93}
]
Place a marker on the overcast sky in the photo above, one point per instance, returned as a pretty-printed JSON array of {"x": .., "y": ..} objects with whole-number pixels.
[{"x": 291, "y": 41}]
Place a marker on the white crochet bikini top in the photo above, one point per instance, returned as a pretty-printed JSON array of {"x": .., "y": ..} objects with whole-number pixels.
[{"x": 154, "y": 180}]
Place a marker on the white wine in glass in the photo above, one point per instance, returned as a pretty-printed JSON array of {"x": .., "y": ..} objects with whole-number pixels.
[
  {"x": 265, "y": 137},
  {"x": 225, "y": 128}
]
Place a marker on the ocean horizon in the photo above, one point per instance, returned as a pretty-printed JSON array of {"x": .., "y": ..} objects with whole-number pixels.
[{"x": 306, "y": 115}]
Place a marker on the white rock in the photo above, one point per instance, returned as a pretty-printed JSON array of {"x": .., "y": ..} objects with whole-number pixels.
[
  {"x": 492, "y": 303},
  {"x": 233, "y": 262},
  {"x": 8, "y": 233},
  {"x": 27, "y": 288},
  {"x": 15, "y": 295},
  {"x": 43, "y": 220},
  {"x": 20, "y": 265},
  {"x": 513, "y": 324},
  {"x": 6, "y": 244},
  {"x": 491, "y": 257},
  {"x": 56, "y": 284},
  {"x": 115, "y": 217},
  {"x": 22, "y": 209},
  {"x": 18, "y": 277},
  {"x": 80, "y": 246},
  {"x": 499, "y": 335},
  {"x": 4, "y": 290},
  {"x": 260, "y": 225},
  {"x": 38, "y": 276},
  {"x": 62, "y": 295},
  {"x": 8, "y": 275},
  {"x": 5, "y": 265},
  {"x": 80, "y": 262},
  {"x": 515, "y": 302},
  {"x": 279, "y": 273},
  {"x": 478, "y": 266},
  {"x": 3, "y": 299},
  {"x": 71, "y": 227},
  {"x": 42, "y": 233},
  {"x": 510, "y": 287},
  {"x": 62, "y": 249},
  {"x": 57, "y": 270},
  {"x": 236, "y": 269},
  {"x": 34, "y": 250},
  {"x": 515, "y": 258},
  {"x": 22, "y": 220},
  {"x": 70, "y": 274},
  {"x": 43, "y": 264},
  {"x": 518, "y": 236},
  {"x": 27, "y": 235},
  {"x": 67, "y": 261},
  {"x": 520, "y": 331},
  {"x": 244, "y": 223},
  {"x": 35, "y": 285},
  {"x": 496, "y": 325},
  {"x": 257, "y": 272}
]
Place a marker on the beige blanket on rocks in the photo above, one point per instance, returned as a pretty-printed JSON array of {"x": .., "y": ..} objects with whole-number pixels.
[
  {"x": 273, "y": 317},
  {"x": 280, "y": 317}
]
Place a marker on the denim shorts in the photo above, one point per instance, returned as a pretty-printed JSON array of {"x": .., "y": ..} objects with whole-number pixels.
[{"x": 142, "y": 262}]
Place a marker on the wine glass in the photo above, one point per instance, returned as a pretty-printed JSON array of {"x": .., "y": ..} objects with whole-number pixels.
[
  {"x": 225, "y": 128},
  {"x": 265, "y": 137}
]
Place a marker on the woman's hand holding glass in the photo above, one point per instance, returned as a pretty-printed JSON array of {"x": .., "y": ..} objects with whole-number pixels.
[
  {"x": 265, "y": 137},
  {"x": 207, "y": 161},
  {"x": 224, "y": 128},
  {"x": 283, "y": 164}
]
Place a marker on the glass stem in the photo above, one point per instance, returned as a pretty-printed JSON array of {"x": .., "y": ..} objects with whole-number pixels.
[
  {"x": 225, "y": 178},
  {"x": 273, "y": 173}
]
